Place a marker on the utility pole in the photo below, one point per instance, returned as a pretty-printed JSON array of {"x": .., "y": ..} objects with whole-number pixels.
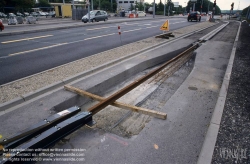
[
  {"x": 111, "y": 6},
  {"x": 201, "y": 5},
  {"x": 194, "y": 7},
  {"x": 164, "y": 8},
  {"x": 154, "y": 10},
  {"x": 248, "y": 14},
  {"x": 214, "y": 8},
  {"x": 92, "y": 5},
  {"x": 99, "y": 4},
  {"x": 208, "y": 6}
]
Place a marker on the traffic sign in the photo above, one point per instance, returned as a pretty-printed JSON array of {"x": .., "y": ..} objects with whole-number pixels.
[{"x": 165, "y": 26}]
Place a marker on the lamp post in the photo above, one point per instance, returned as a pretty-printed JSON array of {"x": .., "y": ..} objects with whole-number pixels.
[
  {"x": 208, "y": 6},
  {"x": 185, "y": 7}
]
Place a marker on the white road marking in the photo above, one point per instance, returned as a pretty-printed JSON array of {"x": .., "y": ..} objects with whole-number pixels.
[
  {"x": 18, "y": 53},
  {"x": 38, "y": 37}
]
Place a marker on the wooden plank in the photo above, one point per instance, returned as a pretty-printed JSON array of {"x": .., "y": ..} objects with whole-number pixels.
[{"x": 149, "y": 112}]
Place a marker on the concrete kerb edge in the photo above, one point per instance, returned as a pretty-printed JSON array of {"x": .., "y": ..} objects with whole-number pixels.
[
  {"x": 208, "y": 146},
  {"x": 28, "y": 96}
]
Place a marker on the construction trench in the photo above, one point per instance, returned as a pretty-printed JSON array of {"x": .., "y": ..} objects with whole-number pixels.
[{"x": 96, "y": 95}]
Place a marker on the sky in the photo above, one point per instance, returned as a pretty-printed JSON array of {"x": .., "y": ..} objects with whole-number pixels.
[{"x": 223, "y": 4}]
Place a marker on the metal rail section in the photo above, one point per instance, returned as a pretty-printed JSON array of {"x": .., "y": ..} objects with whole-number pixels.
[
  {"x": 47, "y": 138},
  {"x": 36, "y": 129},
  {"x": 111, "y": 99}
]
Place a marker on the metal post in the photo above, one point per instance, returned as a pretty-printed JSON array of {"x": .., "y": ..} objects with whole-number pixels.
[
  {"x": 193, "y": 6},
  {"x": 164, "y": 8},
  {"x": 111, "y": 6},
  {"x": 208, "y": 6},
  {"x": 89, "y": 12},
  {"x": 168, "y": 9},
  {"x": 248, "y": 14},
  {"x": 154, "y": 10},
  {"x": 201, "y": 5},
  {"x": 92, "y": 5},
  {"x": 99, "y": 4},
  {"x": 63, "y": 1}
]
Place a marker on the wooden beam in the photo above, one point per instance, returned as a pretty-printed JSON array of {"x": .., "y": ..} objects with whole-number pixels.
[{"x": 149, "y": 112}]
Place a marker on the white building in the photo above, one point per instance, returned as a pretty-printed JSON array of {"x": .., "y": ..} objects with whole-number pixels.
[{"x": 126, "y": 4}]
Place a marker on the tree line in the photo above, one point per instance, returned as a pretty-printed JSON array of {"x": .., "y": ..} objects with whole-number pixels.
[{"x": 200, "y": 5}]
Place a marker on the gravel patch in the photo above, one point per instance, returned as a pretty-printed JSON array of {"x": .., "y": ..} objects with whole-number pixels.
[
  {"x": 233, "y": 141},
  {"x": 32, "y": 83}
]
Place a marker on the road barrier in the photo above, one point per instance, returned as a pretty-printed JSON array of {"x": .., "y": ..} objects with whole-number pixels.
[
  {"x": 119, "y": 30},
  {"x": 133, "y": 15}
]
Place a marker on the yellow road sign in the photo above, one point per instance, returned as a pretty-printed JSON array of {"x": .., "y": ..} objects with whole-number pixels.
[{"x": 165, "y": 26}]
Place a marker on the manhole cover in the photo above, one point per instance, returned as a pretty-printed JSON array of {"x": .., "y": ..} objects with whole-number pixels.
[{"x": 192, "y": 88}]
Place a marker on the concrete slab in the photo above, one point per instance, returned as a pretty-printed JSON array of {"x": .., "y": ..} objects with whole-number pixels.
[
  {"x": 179, "y": 139},
  {"x": 57, "y": 100}
]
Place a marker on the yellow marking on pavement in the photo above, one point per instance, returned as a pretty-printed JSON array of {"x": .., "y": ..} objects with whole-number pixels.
[
  {"x": 1, "y": 136},
  {"x": 99, "y": 36},
  {"x": 18, "y": 53},
  {"x": 38, "y": 37},
  {"x": 99, "y": 28},
  {"x": 132, "y": 30}
]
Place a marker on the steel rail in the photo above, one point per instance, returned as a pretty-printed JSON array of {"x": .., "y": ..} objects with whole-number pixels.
[{"x": 111, "y": 99}]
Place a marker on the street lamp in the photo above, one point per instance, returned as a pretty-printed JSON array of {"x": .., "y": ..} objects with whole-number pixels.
[
  {"x": 185, "y": 7},
  {"x": 208, "y": 6}
]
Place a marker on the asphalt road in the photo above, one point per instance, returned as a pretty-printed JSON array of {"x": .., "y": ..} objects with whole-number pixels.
[{"x": 27, "y": 54}]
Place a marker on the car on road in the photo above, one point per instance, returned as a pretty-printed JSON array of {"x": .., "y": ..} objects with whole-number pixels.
[
  {"x": 194, "y": 15},
  {"x": 95, "y": 16},
  {"x": 141, "y": 14}
]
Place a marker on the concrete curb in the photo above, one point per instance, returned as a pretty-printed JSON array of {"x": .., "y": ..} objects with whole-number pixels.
[
  {"x": 207, "y": 150},
  {"x": 28, "y": 96}
]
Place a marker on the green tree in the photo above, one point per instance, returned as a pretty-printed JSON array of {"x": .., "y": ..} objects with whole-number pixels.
[
  {"x": 42, "y": 3},
  {"x": 139, "y": 6},
  {"x": 147, "y": 6},
  {"x": 22, "y": 5},
  {"x": 203, "y": 6},
  {"x": 2, "y": 5},
  {"x": 160, "y": 6},
  {"x": 131, "y": 7},
  {"x": 244, "y": 11}
]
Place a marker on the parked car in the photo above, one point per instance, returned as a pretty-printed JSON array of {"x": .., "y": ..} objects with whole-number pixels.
[
  {"x": 2, "y": 15},
  {"x": 195, "y": 15},
  {"x": 11, "y": 15},
  {"x": 34, "y": 14},
  {"x": 141, "y": 14},
  {"x": 19, "y": 20},
  {"x": 12, "y": 20},
  {"x": 95, "y": 16},
  {"x": 31, "y": 20},
  {"x": 19, "y": 14},
  {"x": 52, "y": 13},
  {"x": 26, "y": 14},
  {"x": 40, "y": 13}
]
